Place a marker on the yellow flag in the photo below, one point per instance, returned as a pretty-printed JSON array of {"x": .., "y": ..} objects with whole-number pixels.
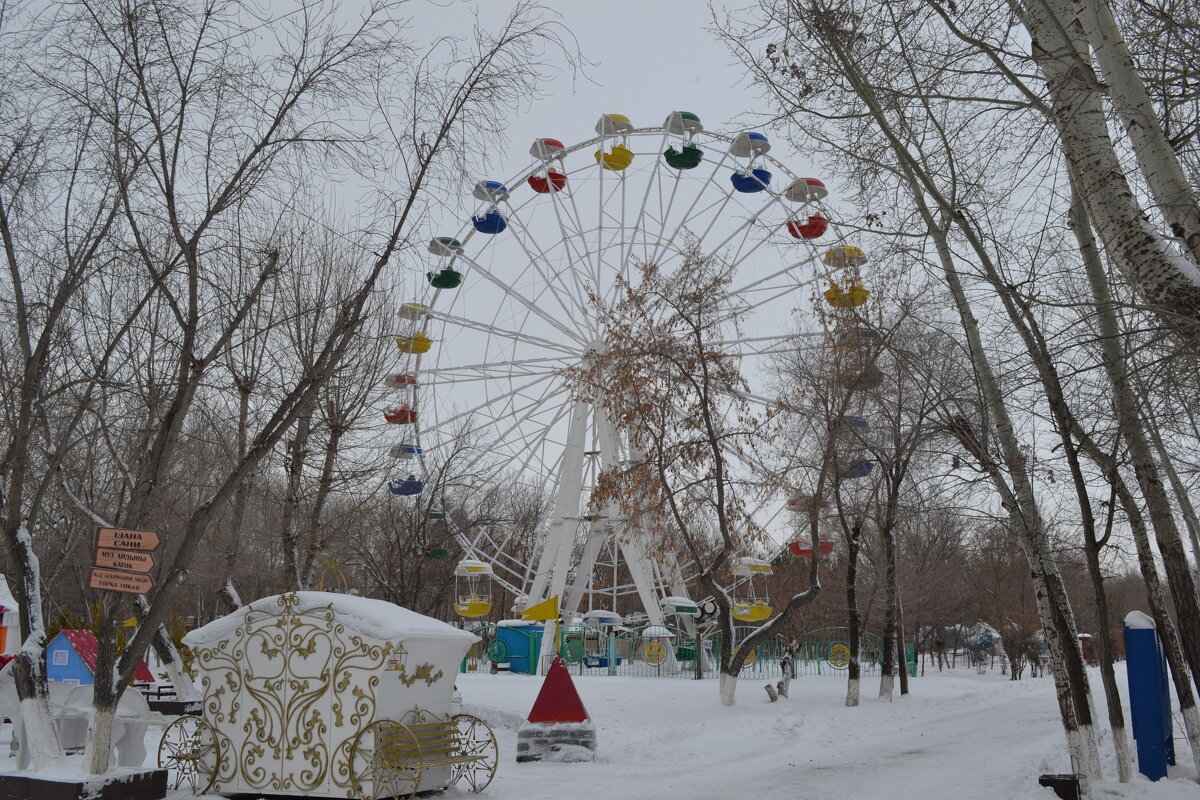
[{"x": 543, "y": 611}]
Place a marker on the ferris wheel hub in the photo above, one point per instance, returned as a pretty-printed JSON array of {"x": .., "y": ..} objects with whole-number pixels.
[{"x": 593, "y": 350}]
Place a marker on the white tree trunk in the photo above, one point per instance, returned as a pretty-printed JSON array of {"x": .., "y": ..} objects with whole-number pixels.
[
  {"x": 1079, "y": 760},
  {"x": 887, "y": 685},
  {"x": 728, "y": 688},
  {"x": 1159, "y": 165},
  {"x": 1021, "y": 505},
  {"x": 99, "y": 741},
  {"x": 230, "y": 593},
  {"x": 853, "y": 691},
  {"x": 1018, "y": 499},
  {"x": 39, "y": 743},
  {"x": 1191, "y": 731},
  {"x": 1060, "y": 49},
  {"x": 1124, "y": 762},
  {"x": 184, "y": 689}
]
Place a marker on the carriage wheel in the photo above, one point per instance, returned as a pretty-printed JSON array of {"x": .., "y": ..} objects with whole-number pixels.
[
  {"x": 475, "y": 739},
  {"x": 190, "y": 751},
  {"x": 385, "y": 761}
]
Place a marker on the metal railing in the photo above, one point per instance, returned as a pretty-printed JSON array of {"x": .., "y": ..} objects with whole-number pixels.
[{"x": 664, "y": 652}]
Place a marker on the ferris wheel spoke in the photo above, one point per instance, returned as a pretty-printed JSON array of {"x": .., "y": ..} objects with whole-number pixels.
[
  {"x": 491, "y": 401},
  {"x": 612, "y": 218},
  {"x": 552, "y": 468},
  {"x": 775, "y": 200},
  {"x": 484, "y": 547},
  {"x": 743, "y": 230},
  {"x": 690, "y": 213},
  {"x": 765, "y": 299},
  {"x": 538, "y": 437},
  {"x": 768, "y": 351},
  {"x": 469, "y": 546},
  {"x": 515, "y": 411},
  {"x": 758, "y": 399},
  {"x": 551, "y": 277},
  {"x": 502, "y": 332},
  {"x": 663, "y": 217},
  {"x": 744, "y": 252},
  {"x": 756, "y": 284},
  {"x": 655, "y": 181},
  {"x": 580, "y": 231},
  {"x": 574, "y": 240},
  {"x": 507, "y": 432},
  {"x": 501, "y": 368},
  {"x": 598, "y": 246},
  {"x": 524, "y": 373},
  {"x": 524, "y": 301}
]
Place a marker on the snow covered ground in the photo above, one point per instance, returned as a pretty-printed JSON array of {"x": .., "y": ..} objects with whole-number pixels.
[{"x": 958, "y": 735}]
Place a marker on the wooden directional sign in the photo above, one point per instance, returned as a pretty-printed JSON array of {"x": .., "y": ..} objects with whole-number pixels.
[
  {"x": 130, "y": 560},
  {"x": 117, "y": 581},
  {"x": 129, "y": 540}
]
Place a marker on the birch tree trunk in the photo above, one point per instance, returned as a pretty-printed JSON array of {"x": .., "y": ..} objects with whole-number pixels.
[
  {"x": 901, "y": 654},
  {"x": 1114, "y": 364},
  {"x": 168, "y": 654},
  {"x": 854, "y": 668},
  {"x": 1060, "y": 50},
  {"x": 1186, "y": 508},
  {"x": 41, "y": 746},
  {"x": 887, "y": 670},
  {"x": 1174, "y": 196},
  {"x": 290, "y": 523},
  {"x": 229, "y": 593},
  {"x": 1180, "y": 578}
]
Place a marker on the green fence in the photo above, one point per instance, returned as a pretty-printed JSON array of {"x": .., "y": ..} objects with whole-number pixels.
[
  {"x": 826, "y": 651},
  {"x": 667, "y": 652}
]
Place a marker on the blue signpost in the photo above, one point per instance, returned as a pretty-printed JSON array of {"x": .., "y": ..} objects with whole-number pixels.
[{"x": 1149, "y": 697}]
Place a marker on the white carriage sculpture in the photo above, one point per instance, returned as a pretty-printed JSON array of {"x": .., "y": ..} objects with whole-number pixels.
[{"x": 328, "y": 695}]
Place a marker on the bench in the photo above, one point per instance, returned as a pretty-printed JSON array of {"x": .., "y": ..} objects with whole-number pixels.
[{"x": 398, "y": 759}]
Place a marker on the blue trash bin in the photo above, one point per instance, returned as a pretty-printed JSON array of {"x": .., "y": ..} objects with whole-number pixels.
[{"x": 523, "y": 641}]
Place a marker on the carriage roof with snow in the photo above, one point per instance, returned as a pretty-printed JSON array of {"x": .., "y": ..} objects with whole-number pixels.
[{"x": 328, "y": 695}]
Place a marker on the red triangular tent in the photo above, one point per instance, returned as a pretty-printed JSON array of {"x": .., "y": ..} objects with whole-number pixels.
[{"x": 558, "y": 701}]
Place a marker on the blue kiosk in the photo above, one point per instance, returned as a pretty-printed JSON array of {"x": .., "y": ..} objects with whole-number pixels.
[{"x": 1149, "y": 696}]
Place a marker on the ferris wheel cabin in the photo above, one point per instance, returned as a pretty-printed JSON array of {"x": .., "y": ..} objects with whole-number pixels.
[
  {"x": 751, "y": 603},
  {"x": 472, "y": 588}
]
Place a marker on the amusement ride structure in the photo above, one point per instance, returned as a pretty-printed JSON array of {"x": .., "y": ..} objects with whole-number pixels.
[{"x": 511, "y": 304}]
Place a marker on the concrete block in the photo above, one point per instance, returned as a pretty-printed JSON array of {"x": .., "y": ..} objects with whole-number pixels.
[{"x": 556, "y": 741}]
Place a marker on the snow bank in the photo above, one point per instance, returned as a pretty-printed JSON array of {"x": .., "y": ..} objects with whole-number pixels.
[{"x": 374, "y": 618}]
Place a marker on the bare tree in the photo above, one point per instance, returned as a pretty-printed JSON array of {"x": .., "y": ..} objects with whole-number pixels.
[
  {"x": 680, "y": 402},
  {"x": 225, "y": 133}
]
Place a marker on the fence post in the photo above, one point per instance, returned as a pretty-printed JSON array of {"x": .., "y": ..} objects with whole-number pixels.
[{"x": 612, "y": 654}]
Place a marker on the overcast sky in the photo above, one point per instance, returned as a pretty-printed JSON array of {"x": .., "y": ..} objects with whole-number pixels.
[{"x": 649, "y": 57}]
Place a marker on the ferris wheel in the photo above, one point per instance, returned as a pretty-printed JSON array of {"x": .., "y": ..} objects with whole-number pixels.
[{"x": 510, "y": 304}]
